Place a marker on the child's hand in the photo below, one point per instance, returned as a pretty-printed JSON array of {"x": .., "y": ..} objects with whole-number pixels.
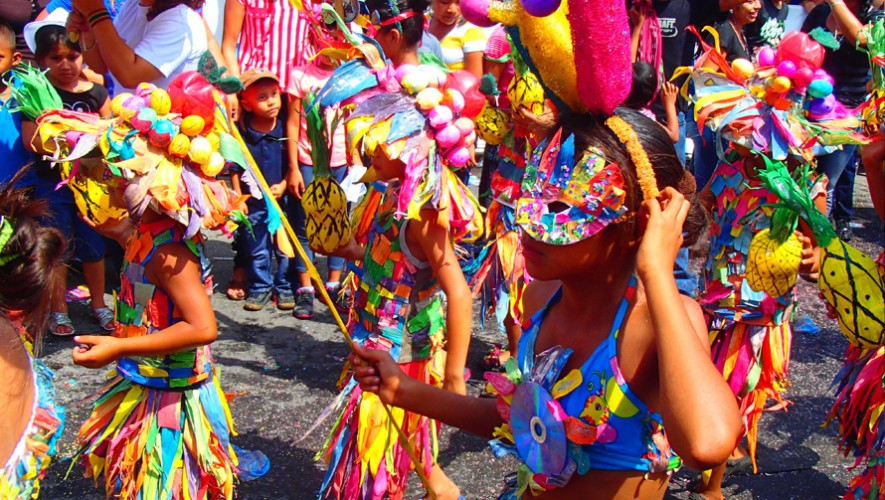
[
  {"x": 96, "y": 351},
  {"x": 669, "y": 94},
  {"x": 810, "y": 255},
  {"x": 377, "y": 372},
  {"x": 663, "y": 233},
  {"x": 278, "y": 190},
  {"x": 295, "y": 183},
  {"x": 537, "y": 125},
  {"x": 637, "y": 16}
]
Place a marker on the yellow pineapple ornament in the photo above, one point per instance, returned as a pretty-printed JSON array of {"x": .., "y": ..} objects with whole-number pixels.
[
  {"x": 851, "y": 282},
  {"x": 525, "y": 89},
  {"x": 325, "y": 204}
]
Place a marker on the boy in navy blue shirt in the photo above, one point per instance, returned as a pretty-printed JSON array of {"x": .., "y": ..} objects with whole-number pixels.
[{"x": 264, "y": 130}]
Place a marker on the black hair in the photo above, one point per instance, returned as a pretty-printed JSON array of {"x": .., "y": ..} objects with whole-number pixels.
[
  {"x": 644, "y": 86},
  {"x": 591, "y": 131},
  {"x": 412, "y": 28},
  {"x": 7, "y": 34},
  {"x": 36, "y": 269},
  {"x": 161, "y": 6},
  {"x": 49, "y": 37}
]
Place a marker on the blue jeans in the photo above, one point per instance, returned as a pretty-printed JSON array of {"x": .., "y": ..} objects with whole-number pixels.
[
  {"x": 832, "y": 165},
  {"x": 705, "y": 158},
  {"x": 88, "y": 246},
  {"x": 686, "y": 281},
  {"x": 680, "y": 144},
  {"x": 295, "y": 213},
  {"x": 259, "y": 250},
  {"x": 843, "y": 201}
]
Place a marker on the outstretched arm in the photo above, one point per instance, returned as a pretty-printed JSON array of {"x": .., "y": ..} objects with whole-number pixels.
[
  {"x": 176, "y": 270},
  {"x": 377, "y": 372},
  {"x": 699, "y": 409}
]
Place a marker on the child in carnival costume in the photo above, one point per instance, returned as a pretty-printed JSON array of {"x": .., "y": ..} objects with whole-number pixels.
[
  {"x": 860, "y": 385},
  {"x": 31, "y": 261},
  {"x": 161, "y": 426},
  {"x": 413, "y": 125},
  {"x": 756, "y": 251}
]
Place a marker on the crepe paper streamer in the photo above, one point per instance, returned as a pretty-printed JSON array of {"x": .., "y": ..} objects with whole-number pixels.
[{"x": 33, "y": 93}]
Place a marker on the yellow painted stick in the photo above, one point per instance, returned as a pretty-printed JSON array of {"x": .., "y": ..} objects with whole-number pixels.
[{"x": 315, "y": 276}]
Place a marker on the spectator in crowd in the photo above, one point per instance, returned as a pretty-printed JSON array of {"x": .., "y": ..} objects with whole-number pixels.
[
  {"x": 12, "y": 150},
  {"x": 462, "y": 43},
  {"x": 768, "y": 28},
  {"x": 18, "y": 13},
  {"x": 849, "y": 67},
  {"x": 149, "y": 41}
]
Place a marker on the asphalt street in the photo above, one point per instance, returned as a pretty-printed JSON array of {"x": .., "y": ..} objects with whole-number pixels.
[{"x": 284, "y": 372}]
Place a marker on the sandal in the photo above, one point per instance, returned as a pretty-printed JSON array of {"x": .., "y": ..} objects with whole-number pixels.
[
  {"x": 105, "y": 318},
  {"x": 236, "y": 290},
  {"x": 58, "y": 320}
]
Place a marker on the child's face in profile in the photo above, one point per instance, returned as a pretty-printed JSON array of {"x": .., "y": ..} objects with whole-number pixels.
[
  {"x": 8, "y": 57},
  {"x": 63, "y": 65},
  {"x": 385, "y": 168},
  {"x": 262, "y": 99}
]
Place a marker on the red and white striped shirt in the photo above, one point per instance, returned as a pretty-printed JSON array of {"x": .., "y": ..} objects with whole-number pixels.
[{"x": 274, "y": 37}]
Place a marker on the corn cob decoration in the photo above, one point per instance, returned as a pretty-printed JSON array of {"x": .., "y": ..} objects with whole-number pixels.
[
  {"x": 851, "y": 282},
  {"x": 325, "y": 203},
  {"x": 775, "y": 253}
]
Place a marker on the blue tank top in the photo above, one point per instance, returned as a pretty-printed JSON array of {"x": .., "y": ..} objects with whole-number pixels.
[{"x": 603, "y": 424}]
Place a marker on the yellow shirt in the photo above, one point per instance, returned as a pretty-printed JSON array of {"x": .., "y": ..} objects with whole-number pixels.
[{"x": 463, "y": 39}]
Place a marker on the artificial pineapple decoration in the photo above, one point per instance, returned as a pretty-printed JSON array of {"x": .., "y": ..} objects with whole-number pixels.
[
  {"x": 325, "y": 203},
  {"x": 525, "y": 89},
  {"x": 851, "y": 282},
  {"x": 775, "y": 253}
]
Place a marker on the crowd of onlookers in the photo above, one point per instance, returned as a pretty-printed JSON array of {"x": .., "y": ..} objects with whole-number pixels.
[{"x": 93, "y": 50}]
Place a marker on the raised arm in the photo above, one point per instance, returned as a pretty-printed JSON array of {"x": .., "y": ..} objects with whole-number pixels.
[{"x": 698, "y": 408}]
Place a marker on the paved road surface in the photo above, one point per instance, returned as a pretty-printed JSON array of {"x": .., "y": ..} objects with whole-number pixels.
[{"x": 286, "y": 369}]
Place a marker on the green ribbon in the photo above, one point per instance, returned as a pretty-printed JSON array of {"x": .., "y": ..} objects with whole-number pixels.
[{"x": 6, "y": 231}]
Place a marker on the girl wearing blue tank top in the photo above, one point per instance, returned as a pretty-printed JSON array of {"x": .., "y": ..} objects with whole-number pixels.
[{"x": 613, "y": 387}]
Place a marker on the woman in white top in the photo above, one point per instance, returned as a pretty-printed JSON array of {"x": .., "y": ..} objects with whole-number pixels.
[
  {"x": 462, "y": 43},
  {"x": 149, "y": 40}
]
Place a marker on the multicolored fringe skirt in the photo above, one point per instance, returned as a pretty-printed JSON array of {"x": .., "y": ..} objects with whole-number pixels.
[
  {"x": 754, "y": 361},
  {"x": 363, "y": 451},
  {"x": 859, "y": 408},
  {"x": 160, "y": 443}
]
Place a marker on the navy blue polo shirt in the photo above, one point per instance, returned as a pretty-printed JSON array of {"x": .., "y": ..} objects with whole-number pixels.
[{"x": 268, "y": 150}]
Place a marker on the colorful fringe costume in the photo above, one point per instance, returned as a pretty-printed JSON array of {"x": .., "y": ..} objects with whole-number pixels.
[
  {"x": 750, "y": 332},
  {"x": 21, "y": 475},
  {"x": 860, "y": 411},
  {"x": 398, "y": 308},
  {"x": 161, "y": 427}
]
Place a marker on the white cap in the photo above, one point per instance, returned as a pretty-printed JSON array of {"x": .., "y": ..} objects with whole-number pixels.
[{"x": 58, "y": 17}]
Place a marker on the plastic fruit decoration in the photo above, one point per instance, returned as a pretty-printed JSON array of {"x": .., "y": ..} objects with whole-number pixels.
[{"x": 325, "y": 204}]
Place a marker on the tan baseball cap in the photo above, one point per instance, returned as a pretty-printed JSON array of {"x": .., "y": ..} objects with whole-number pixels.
[{"x": 253, "y": 75}]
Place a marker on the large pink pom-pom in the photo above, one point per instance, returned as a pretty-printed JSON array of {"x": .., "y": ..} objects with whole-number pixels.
[
  {"x": 477, "y": 12},
  {"x": 602, "y": 54},
  {"x": 458, "y": 157},
  {"x": 448, "y": 136},
  {"x": 439, "y": 116}
]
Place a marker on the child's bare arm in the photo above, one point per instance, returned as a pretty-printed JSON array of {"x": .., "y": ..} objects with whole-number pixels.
[
  {"x": 105, "y": 110},
  {"x": 294, "y": 180},
  {"x": 436, "y": 245},
  {"x": 699, "y": 409},
  {"x": 378, "y": 373},
  {"x": 669, "y": 95},
  {"x": 176, "y": 270}
]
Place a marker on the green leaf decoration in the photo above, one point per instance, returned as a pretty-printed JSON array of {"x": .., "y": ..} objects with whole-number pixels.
[
  {"x": 824, "y": 38},
  {"x": 488, "y": 85},
  {"x": 214, "y": 74},
  {"x": 33, "y": 93}
]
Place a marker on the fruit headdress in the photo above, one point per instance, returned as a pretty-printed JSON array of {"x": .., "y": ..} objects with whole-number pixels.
[
  {"x": 162, "y": 147},
  {"x": 781, "y": 104}
]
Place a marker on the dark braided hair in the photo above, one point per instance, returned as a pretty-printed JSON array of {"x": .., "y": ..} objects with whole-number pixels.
[
  {"x": 161, "y": 6},
  {"x": 412, "y": 28}
]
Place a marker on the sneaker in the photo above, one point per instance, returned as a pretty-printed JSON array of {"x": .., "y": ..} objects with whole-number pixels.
[
  {"x": 843, "y": 227},
  {"x": 339, "y": 298},
  {"x": 256, "y": 301},
  {"x": 285, "y": 301},
  {"x": 303, "y": 303}
]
